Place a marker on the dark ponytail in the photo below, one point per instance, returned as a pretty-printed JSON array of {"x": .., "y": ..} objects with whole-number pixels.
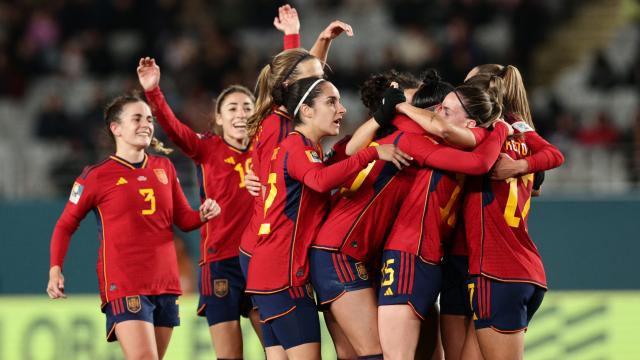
[{"x": 432, "y": 90}]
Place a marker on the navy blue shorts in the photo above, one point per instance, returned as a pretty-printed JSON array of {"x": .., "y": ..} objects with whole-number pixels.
[
  {"x": 408, "y": 280},
  {"x": 289, "y": 317},
  {"x": 222, "y": 296},
  {"x": 454, "y": 299},
  {"x": 244, "y": 264},
  {"x": 334, "y": 273},
  {"x": 504, "y": 306},
  {"x": 160, "y": 310}
]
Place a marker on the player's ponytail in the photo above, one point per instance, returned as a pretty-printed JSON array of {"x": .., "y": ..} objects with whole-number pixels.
[
  {"x": 282, "y": 70},
  {"x": 372, "y": 89},
  {"x": 515, "y": 94},
  {"x": 158, "y": 146},
  {"x": 482, "y": 104},
  {"x": 432, "y": 90}
]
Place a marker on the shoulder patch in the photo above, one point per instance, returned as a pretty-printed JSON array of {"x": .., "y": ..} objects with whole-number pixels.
[
  {"x": 76, "y": 192},
  {"x": 521, "y": 127},
  {"x": 313, "y": 156}
]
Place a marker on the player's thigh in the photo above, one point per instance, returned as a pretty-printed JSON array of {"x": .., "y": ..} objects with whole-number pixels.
[
  {"x": 227, "y": 339},
  {"x": 357, "y": 314},
  {"x": 163, "y": 336},
  {"x": 496, "y": 345},
  {"x": 137, "y": 339},
  {"x": 399, "y": 329},
  {"x": 453, "y": 329},
  {"x": 344, "y": 349},
  {"x": 308, "y": 351}
]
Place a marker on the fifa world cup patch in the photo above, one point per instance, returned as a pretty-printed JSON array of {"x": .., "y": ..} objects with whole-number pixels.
[
  {"x": 313, "y": 156},
  {"x": 76, "y": 192},
  {"x": 161, "y": 175},
  {"x": 521, "y": 127},
  {"x": 362, "y": 271},
  {"x": 220, "y": 287},
  {"x": 133, "y": 304}
]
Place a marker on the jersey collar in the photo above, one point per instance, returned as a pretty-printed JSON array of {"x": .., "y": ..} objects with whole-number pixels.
[{"x": 124, "y": 162}]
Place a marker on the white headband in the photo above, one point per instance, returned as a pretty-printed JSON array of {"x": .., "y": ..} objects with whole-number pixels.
[{"x": 295, "y": 112}]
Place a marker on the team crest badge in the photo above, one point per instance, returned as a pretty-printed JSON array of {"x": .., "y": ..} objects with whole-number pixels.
[
  {"x": 161, "y": 175},
  {"x": 309, "y": 289},
  {"x": 362, "y": 271},
  {"x": 133, "y": 304},
  {"x": 221, "y": 287}
]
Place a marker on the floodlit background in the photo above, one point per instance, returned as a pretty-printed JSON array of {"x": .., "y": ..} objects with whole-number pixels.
[{"x": 61, "y": 60}]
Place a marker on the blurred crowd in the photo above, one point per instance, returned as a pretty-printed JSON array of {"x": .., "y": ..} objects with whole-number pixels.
[{"x": 85, "y": 51}]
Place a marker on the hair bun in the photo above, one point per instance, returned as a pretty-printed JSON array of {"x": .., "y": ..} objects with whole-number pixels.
[{"x": 430, "y": 76}]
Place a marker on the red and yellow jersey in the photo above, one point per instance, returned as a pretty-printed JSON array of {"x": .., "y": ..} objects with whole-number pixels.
[
  {"x": 429, "y": 212},
  {"x": 272, "y": 131},
  {"x": 221, "y": 169},
  {"x": 135, "y": 208},
  {"x": 496, "y": 214},
  {"x": 295, "y": 205},
  {"x": 366, "y": 205}
]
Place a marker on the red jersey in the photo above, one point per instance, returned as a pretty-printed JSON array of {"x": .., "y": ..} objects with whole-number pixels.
[
  {"x": 272, "y": 130},
  {"x": 296, "y": 203},
  {"x": 135, "y": 209},
  {"x": 428, "y": 213},
  {"x": 496, "y": 214},
  {"x": 367, "y": 204},
  {"x": 221, "y": 169}
]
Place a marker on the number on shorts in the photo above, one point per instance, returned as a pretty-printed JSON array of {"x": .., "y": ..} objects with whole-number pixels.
[{"x": 387, "y": 273}]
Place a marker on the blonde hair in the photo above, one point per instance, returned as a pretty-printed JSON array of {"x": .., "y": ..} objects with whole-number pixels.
[
  {"x": 271, "y": 81},
  {"x": 515, "y": 94},
  {"x": 482, "y": 101}
]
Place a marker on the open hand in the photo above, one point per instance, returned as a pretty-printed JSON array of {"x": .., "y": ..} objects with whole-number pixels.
[
  {"x": 334, "y": 30},
  {"x": 148, "y": 73},
  {"x": 390, "y": 152},
  {"x": 287, "y": 20}
]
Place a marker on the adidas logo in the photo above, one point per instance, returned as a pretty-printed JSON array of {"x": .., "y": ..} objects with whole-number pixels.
[
  {"x": 230, "y": 160},
  {"x": 388, "y": 292},
  {"x": 121, "y": 181}
]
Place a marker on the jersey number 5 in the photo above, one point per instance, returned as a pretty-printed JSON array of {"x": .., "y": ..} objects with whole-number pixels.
[{"x": 149, "y": 196}]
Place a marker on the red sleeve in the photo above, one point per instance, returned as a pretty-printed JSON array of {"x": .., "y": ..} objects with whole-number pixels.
[
  {"x": 270, "y": 135},
  {"x": 477, "y": 162},
  {"x": 480, "y": 134},
  {"x": 81, "y": 200},
  {"x": 291, "y": 41},
  {"x": 184, "y": 216},
  {"x": 186, "y": 139},
  {"x": 338, "y": 151},
  {"x": 305, "y": 164},
  {"x": 545, "y": 156}
]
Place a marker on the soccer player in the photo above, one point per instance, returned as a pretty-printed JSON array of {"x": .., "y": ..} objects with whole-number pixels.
[
  {"x": 136, "y": 198},
  {"x": 507, "y": 282},
  {"x": 222, "y": 162},
  {"x": 345, "y": 255},
  {"x": 411, "y": 259},
  {"x": 295, "y": 205}
]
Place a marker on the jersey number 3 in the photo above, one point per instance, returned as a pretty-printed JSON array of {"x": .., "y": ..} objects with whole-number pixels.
[{"x": 149, "y": 197}]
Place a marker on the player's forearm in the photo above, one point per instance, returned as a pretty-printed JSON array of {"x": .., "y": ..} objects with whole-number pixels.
[
  {"x": 60, "y": 242},
  {"x": 362, "y": 137},
  {"x": 320, "y": 49},
  {"x": 432, "y": 123},
  {"x": 185, "y": 138},
  {"x": 330, "y": 177},
  {"x": 545, "y": 156}
]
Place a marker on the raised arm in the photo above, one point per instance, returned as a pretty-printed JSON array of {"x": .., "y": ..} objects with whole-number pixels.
[
  {"x": 186, "y": 139},
  {"x": 320, "y": 48},
  {"x": 288, "y": 22}
]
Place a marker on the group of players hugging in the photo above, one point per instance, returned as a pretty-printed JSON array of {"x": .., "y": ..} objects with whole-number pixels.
[{"x": 410, "y": 236}]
